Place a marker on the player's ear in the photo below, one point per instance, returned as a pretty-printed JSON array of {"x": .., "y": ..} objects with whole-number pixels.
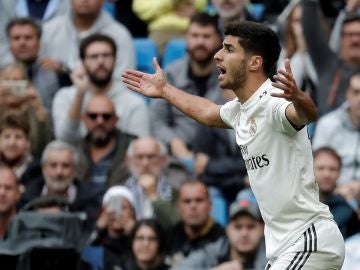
[{"x": 255, "y": 62}]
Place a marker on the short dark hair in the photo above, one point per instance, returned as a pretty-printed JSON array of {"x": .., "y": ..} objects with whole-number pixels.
[
  {"x": 205, "y": 19},
  {"x": 15, "y": 120},
  {"x": 351, "y": 17},
  {"x": 158, "y": 230},
  {"x": 24, "y": 21},
  {"x": 329, "y": 151},
  {"x": 257, "y": 38},
  {"x": 86, "y": 42}
]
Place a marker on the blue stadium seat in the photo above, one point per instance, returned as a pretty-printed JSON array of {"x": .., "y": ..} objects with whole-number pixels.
[
  {"x": 94, "y": 255},
  {"x": 146, "y": 50},
  {"x": 174, "y": 49},
  {"x": 219, "y": 206}
]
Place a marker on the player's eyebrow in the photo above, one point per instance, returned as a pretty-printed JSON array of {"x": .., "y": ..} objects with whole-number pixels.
[{"x": 228, "y": 45}]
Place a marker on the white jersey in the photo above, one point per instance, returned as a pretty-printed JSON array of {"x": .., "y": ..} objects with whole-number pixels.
[{"x": 279, "y": 163}]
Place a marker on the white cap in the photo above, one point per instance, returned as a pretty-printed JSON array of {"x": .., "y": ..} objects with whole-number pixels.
[{"x": 121, "y": 191}]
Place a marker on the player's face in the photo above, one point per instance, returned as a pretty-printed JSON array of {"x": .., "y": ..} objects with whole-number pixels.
[
  {"x": 194, "y": 205},
  {"x": 202, "y": 42},
  {"x": 245, "y": 234},
  {"x": 232, "y": 64},
  {"x": 327, "y": 170}
]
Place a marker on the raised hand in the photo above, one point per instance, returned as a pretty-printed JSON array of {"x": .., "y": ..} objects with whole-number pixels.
[
  {"x": 80, "y": 79},
  {"x": 150, "y": 85},
  {"x": 286, "y": 82}
]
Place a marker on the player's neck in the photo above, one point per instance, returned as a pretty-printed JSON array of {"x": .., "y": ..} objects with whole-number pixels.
[{"x": 251, "y": 85}]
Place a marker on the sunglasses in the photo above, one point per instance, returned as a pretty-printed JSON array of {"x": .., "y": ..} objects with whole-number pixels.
[{"x": 94, "y": 116}]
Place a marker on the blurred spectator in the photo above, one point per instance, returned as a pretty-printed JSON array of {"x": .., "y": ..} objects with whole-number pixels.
[
  {"x": 294, "y": 48},
  {"x": 15, "y": 148},
  {"x": 103, "y": 150},
  {"x": 59, "y": 168},
  {"x": 339, "y": 130},
  {"x": 125, "y": 14},
  {"x": 242, "y": 248},
  {"x": 196, "y": 228},
  {"x": 352, "y": 6},
  {"x": 98, "y": 54},
  {"x": 352, "y": 253},
  {"x": 24, "y": 42},
  {"x": 327, "y": 164},
  {"x": 147, "y": 160},
  {"x": 16, "y": 94},
  {"x": 333, "y": 69},
  {"x": 167, "y": 19},
  {"x": 148, "y": 247},
  {"x": 67, "y": 31},
  {"x": 218, "y": 160},
  {"x": 9, "y": 197},
  {"x": 230, "y": 10},
  {"x": 114, "y": 225},
  {"x": 39, "y": 10},
  {"x": 197, "y": 74}
]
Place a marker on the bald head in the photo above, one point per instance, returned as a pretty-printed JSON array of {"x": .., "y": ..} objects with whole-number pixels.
[{"x": 100, "y": 119}]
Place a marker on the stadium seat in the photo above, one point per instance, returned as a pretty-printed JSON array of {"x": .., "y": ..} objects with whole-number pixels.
[
  {"x": 94, "y": 255},
  {"x": 174, "y": 49},
  {"x": 219, "y": 206},
  {"x": 146, "y": 50}
]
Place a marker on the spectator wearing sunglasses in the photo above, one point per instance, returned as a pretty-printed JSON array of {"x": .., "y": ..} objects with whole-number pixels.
[{"x": 103, "y": 149}]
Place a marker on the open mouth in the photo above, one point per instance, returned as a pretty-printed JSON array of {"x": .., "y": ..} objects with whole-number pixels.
[{"x": 221, "y": 70}]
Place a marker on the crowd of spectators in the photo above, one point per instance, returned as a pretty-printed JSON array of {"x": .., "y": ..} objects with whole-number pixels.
[{"x": 97, "y": 174}]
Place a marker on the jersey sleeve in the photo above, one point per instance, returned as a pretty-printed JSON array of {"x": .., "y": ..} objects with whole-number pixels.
[
  {"x": 276, "y": 114},
  {"x": 228, "y": 112}
]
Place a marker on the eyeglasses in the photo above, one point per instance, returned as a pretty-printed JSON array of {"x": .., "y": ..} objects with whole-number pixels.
[
  {"x": 151, "y": 239},
  {"x": 98, "y": 55},
  {"x": 94, "y": 116},
  {"x": 350, "y": 34}
]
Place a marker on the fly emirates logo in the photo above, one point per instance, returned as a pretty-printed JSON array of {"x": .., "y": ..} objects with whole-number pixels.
[{"x": 254, "y": 162}]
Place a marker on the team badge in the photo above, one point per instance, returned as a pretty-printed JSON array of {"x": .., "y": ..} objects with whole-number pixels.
[{"x": 253, "y": 127}]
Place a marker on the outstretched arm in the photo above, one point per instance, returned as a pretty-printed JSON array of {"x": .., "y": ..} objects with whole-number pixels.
[
  {"x": 302, "y": 110},
  {"x": 156, "y": 86}
]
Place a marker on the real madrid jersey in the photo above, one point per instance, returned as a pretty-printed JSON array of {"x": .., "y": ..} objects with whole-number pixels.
[{"x": 279, "y": 164}]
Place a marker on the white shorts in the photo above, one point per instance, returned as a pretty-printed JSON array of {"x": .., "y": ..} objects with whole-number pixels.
[{"x": 321, "y": 247}]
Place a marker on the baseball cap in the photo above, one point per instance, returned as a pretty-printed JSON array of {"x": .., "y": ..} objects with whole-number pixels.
[{"x": 245, "y": 203}]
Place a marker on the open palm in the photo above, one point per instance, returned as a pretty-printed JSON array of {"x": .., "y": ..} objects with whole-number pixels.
[{"x": 150, "y": 85}]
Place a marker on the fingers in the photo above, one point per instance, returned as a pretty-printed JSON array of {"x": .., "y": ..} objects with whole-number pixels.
[
  {"x": 156, "y": 65},
  {"x": 288, "y": 67}
]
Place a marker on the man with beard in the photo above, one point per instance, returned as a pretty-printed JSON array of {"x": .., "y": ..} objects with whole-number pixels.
[
  {"x": 60, "y": 163},
  {"x": 195, "y": 73},
  {"x": 103, "y": 149},
  {"x": 94, "y": 76}
]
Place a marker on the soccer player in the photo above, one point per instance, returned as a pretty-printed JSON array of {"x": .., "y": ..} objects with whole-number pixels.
[{"x": 269, "y": 120}]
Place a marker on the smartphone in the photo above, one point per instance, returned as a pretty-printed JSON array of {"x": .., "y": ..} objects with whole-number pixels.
[
  {"x": 114, "y": 205},
  {"x": 16, "y": 87}
]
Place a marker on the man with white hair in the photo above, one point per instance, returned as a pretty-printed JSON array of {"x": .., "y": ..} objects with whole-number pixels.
[
  {"x": 59, "y": 167},
  {"x": 147, "y": 160}
]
